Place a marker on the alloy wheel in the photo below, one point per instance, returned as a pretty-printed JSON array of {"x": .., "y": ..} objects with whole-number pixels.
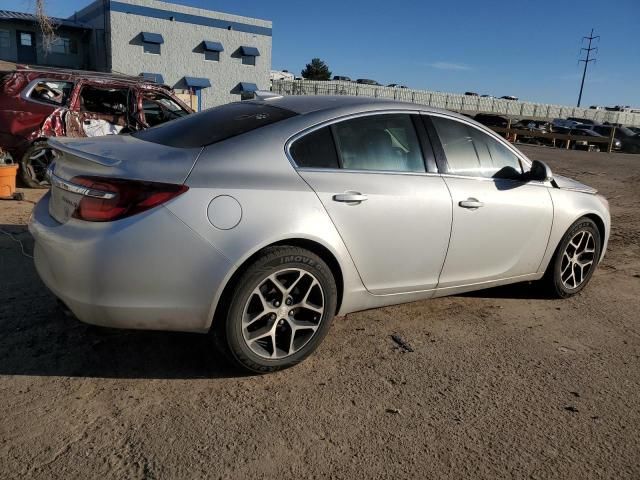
[
  {"x": 283, "y": 313},
  {"x": 39, "y": 161},
  {"x": 577, "y": 259}
]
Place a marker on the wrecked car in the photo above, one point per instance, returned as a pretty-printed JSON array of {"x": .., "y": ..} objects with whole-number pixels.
[{"x": 38, "y": 102}]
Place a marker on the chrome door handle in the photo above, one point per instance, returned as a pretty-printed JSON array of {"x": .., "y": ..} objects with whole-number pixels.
[
  {"x": 471, "y": 203},
  {"x": 349, "y": 197}
]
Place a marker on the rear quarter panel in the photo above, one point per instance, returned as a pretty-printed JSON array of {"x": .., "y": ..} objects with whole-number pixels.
[{"x": 276, "y": 205}]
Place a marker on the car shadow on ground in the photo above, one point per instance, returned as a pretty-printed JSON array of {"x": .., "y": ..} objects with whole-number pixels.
[{"x": 37, "y": 338}]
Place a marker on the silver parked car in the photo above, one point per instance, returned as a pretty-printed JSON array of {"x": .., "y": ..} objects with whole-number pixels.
[{"x": 261, "y": 220}]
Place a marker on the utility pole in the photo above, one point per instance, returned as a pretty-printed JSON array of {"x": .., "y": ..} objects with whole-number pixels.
[{"x": 587, "y": 60}]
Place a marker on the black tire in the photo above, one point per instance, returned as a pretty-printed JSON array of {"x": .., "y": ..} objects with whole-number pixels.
[
  {"x": 32, "y": 173},
  {"x": 228, "y": 330},
  {"x": 553, "y": 280}
]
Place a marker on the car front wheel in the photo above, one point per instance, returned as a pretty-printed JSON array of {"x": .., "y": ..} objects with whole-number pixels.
[
  {"x": 280, "y": 310},
  {"x": 575, "y": 260}
]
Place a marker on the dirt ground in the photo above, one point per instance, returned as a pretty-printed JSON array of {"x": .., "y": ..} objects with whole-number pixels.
[{"x": 502, "y": 383}]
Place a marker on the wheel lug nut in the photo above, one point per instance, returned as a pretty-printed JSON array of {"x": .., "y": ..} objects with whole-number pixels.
[
  {"x": 289, "y": 301},
  {"x": 273, "y": 316},
  {"x": 291, "y": 312},
  {"x": 276, "y": 303}
]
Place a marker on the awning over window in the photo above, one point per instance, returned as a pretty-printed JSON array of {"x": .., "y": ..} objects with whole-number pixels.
[
  {"x": 195, "y": 82},
  {"x": 213, "y": 46},
  {"x": 250, "y": 51},
  {"x": 153, "y": 77},
  {"x": 248, "y": 87},
  {"x": 152, "y": 38}
]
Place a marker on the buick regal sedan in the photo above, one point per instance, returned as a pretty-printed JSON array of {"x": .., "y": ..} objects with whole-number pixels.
[{"x": 259, "y": 221}]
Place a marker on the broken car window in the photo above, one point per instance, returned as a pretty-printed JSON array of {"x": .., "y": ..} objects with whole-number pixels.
[
  {"x": 159, "y": 108},
  {"x": 107, "y": 101},
  {"x": 53, "y": 92}
]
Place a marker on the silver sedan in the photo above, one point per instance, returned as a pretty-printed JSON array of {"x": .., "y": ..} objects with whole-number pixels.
[{"x": 259, "y": 221}]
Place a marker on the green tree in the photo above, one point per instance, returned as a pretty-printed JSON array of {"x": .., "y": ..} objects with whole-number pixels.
[{"x": 316, "y": 70}]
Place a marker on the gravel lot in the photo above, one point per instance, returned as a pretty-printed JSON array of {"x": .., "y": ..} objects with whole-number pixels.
[{"x": 502, "y": 383}]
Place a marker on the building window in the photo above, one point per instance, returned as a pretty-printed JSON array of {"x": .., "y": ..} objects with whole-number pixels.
[
  {"x": 152, "y": 48},
  {"x": 151, "y": 42},
  {"x": 212, "y": 50},
  {"x": 26, "y": 39},
  {"x": 211, "y": 56},
  {"x": 249, "y": 55},
  {"x": 247, "y": 90},
  {"x": 4, "y": 39},
  {"x": 68, "y": 46}
]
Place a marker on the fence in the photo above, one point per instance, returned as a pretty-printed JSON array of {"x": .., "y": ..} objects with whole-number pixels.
[{"x": 454, "y": 101}]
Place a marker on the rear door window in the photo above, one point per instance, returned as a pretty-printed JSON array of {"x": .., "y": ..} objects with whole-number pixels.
[
  {"x": 215, "y": 124},
  {"x": 106, "y": 101},
  {"x": 385, "y": 142}
]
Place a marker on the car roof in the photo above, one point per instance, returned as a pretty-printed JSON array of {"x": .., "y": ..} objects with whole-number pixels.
[
  {"x": 37, "y": 71},
  {"x": 306, "y": 104}
]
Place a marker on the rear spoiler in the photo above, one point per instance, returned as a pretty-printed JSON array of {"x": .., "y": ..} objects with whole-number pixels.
[{"x": 74, "y": 147}]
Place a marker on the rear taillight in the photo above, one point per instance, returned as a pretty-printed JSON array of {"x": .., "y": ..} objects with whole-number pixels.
[{"x": 109, "y": 199}]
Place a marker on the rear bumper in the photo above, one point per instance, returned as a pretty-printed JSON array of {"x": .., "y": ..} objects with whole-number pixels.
[{"x": 149, "y": 271}]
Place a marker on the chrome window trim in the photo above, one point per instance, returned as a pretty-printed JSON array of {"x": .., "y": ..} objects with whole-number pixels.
[
  {"x": 68, "y": 186},
  {"x": 534, "y": 183},
  {"x": 313, "y": 128},
  {"x": 26, "y": 91}
]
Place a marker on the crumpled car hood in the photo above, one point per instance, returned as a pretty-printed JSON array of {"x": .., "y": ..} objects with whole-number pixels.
[{"x": 567, "y": 183}]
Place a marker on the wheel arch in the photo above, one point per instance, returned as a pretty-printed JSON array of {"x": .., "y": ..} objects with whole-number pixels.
[
  {"x": 599, "y": 223},
  {"x": 602, "y": 230},
  {"x": 313, "y": 246}
]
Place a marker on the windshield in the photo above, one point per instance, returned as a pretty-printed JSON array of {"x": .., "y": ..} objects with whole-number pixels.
[{"x": 214, "y": 125}]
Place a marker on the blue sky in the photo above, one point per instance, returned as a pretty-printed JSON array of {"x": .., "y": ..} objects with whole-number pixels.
[{"x": 525, "y": 48}]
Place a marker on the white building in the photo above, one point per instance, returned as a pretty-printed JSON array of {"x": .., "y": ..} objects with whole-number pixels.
[{"x": 217, "y": 56}]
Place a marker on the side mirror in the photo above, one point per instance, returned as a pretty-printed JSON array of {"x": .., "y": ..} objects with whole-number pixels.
[{"x": 540, "y": 172}]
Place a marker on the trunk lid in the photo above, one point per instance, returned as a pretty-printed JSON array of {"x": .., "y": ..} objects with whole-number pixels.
[{"x": 117, "y": 156}]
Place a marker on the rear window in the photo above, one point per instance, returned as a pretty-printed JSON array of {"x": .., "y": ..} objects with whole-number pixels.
[{"x": 214, "y": 125}]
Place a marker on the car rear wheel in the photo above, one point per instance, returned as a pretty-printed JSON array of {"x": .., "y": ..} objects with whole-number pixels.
[
  {"x": 34, "y": 164},
  {"x": 280, "y": 310},
  {"x": 575, "y": 260}
]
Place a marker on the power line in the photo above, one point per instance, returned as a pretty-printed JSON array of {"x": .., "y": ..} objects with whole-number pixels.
[{"x": 587, "y": 60}]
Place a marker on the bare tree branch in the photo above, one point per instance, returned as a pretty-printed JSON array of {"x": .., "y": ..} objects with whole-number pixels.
[{"x": 47, "y": 27}]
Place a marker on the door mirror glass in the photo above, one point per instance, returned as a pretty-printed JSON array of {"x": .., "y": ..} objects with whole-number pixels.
[{"x": 540, "y": 172}]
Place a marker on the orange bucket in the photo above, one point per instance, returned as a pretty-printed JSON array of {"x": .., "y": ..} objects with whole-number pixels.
[{"x": 8, "y": 180}]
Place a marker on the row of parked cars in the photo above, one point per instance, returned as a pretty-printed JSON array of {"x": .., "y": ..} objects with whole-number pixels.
[
  {"x": 366, "y": 81},
  {"x": 626, "y": 139}
]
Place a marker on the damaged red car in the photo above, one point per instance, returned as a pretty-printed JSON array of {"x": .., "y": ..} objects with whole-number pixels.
[{"x": 38, "y": 102}]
